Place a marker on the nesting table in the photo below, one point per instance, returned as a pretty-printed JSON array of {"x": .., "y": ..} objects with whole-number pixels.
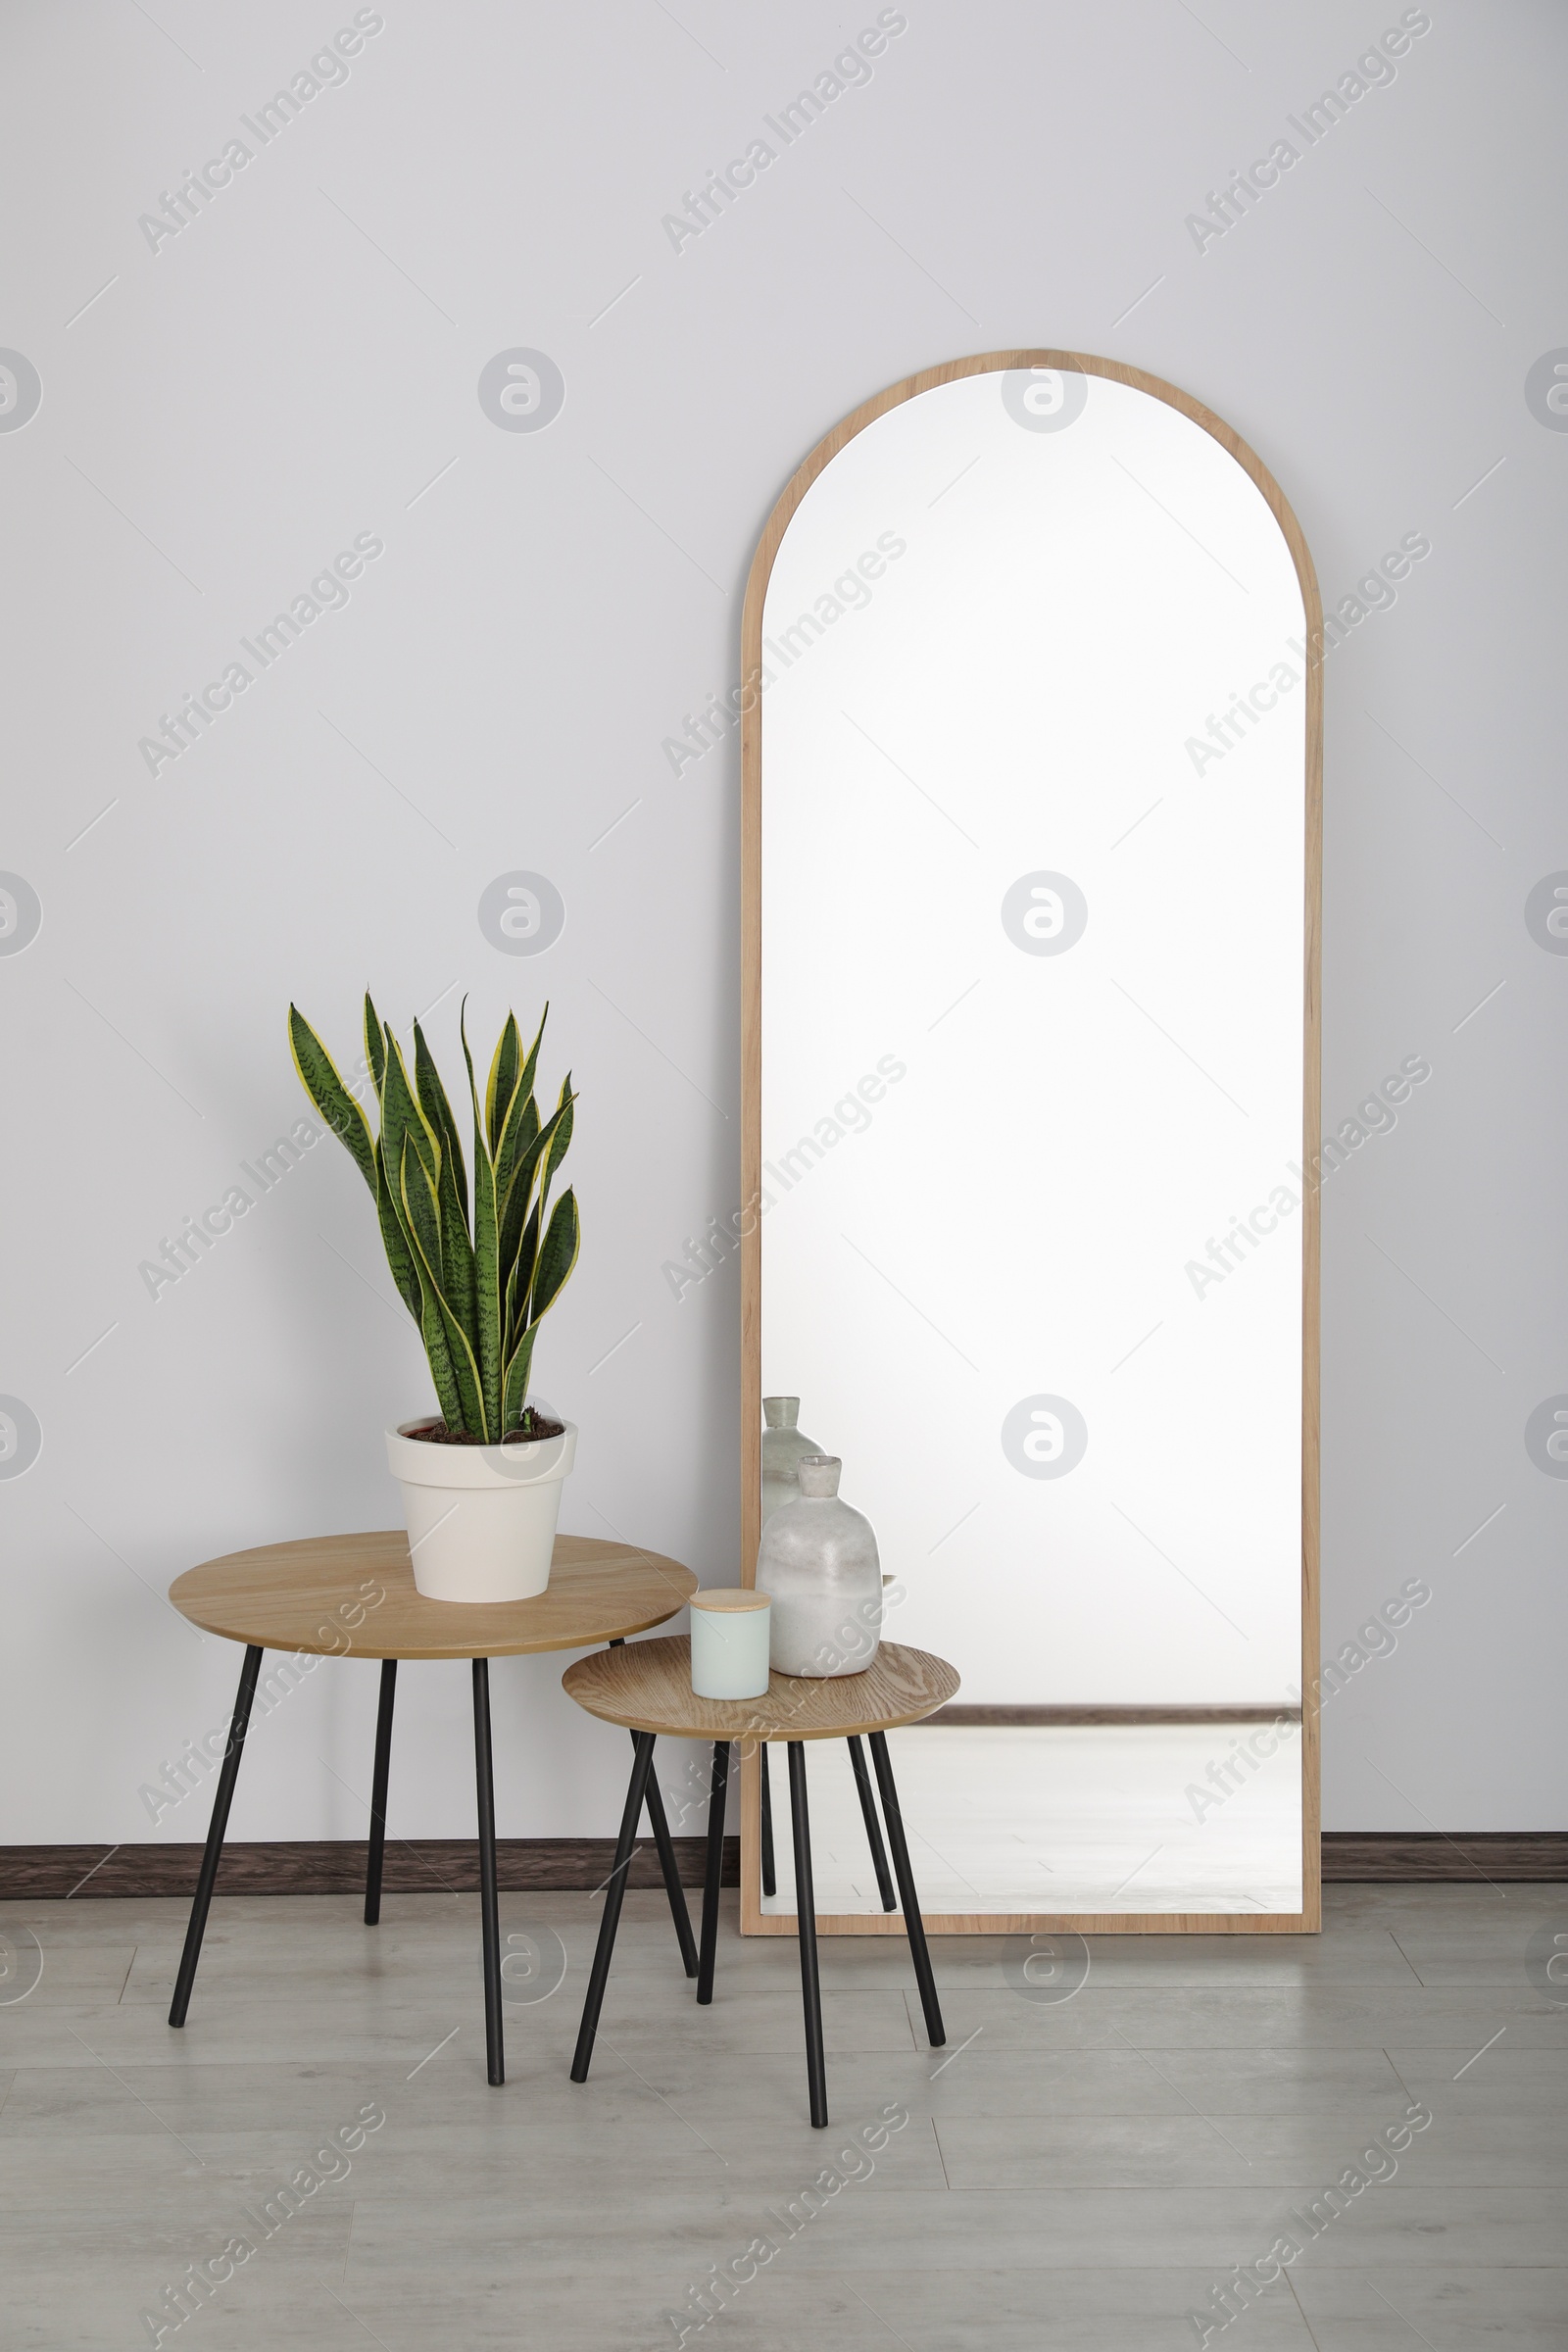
[
  {"x": 648, "y": 1689},
  {"x": 354, "y": 1596}
]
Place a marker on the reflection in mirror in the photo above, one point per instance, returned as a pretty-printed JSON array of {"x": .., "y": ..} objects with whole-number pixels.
[{"x": 1032, "y": 885}]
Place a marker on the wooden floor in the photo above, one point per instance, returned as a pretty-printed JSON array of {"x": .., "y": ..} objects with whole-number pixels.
[
  {"x": 1072, "y": 2173},
  {"x": 1063, "y": 1818}
]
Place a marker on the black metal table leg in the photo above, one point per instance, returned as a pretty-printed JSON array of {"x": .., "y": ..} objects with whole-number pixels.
[
  {"x": 671, "y": 1870},
  {"x": 806, "y": 1915},
  {"x": 874, "y": 1827},
  {"x": 770, "y": 1873},
  {"x": 667, "y": 1863},
  {"x": 383, "y": 1760},
  {"x": 489, "y": 1908},
  {"x": 225, "y": 1798},
  {"x": 609, "y": 1920},
  {"x": 716, "y": 1867},
  {"x": 914, "y": 1926}
]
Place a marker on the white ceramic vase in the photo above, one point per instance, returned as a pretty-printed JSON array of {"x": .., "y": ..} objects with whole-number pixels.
[
  {"x": 817, "y": 1563},
  {"x": 784, "y": 1446},
  {"x": 481, "y": 1519}
]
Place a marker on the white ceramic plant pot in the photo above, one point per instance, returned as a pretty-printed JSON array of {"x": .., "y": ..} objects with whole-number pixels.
[{"x": 481, "y": 1519}]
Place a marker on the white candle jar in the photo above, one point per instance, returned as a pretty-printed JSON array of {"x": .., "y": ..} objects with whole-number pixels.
[{"x": 730, "y": 1632}]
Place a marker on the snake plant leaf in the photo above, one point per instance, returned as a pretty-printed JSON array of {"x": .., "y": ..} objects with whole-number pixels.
[
  {"x": 486, "y": 1254},
  {"x": 393, "y": 1236},
  {"x": 375, "y": 1047},
  {"x": 432, "y": 1331},
  {"x": 525, "y": 1075},
  {"x": 520, "y": 1281},
  {"x": 402, "y": 1116},
  {"x": 439, "y": 1323},
  {"x": 515, "y": 1394},
  {"x": 502, "y": 1080},
  {"x": 438, "y": 1111},
  {"x": 457, "y": 1246},
  {"x": 517, "y": 1131},
  {"x": 318, "y": 1075},
  {"x": 558, "y": 1254},
  {"x": 477, "y": 1279},
  {"x": 520, "y": 1190},
  {"x": 418, "y": 1205},
  {"x": 561, "y": 1124}
]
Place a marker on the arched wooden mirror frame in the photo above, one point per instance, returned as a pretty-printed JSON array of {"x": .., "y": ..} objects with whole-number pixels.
[{"x": 753, "y": 1920}]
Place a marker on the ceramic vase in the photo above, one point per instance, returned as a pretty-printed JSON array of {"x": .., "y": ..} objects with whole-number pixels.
[
  {"x": 817, "y": 1562},
  {"x": 784, "y": 1444}
]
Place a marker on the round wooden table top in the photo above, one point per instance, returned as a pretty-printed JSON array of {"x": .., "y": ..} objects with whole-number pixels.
[
  {"x": 354, "y": 1596},
  {"x": 648, "y": 1688}
]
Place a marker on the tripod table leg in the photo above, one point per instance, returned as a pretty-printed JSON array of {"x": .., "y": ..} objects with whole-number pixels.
[
  {"x": 227, "y": 1777},
  {"x": 669, "y": 1864},
  {"x": 489, "y": 1908},
  {"x": 806, "y": 1913},
  {"x": 874, "y": 1827},
  {"x": 609, "y": 1918},
  {"x": 914, "y": 1926},
  {"x": 716, "y": 1864},
  {"x": 383, "y": 1763}
]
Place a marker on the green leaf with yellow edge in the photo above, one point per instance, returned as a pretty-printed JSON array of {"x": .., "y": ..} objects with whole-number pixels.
[
  {"x": 375, "y": 1047},
  {"x": 519, "y": 1280},
  {"x": 558, "y": 1254},
  {"x": 503, "y": 1079},
  {"x": 318, "y": 1075},
  {"x": 438, "y": 1320},
  {"x": 486, "y": 1264},
  {"x": 516, "y": 1388},
  {"x": 561, "y": 1124},
  {"x": 438, "y": 1111}
]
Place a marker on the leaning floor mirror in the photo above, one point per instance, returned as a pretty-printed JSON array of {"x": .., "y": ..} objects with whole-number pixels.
[{"x": 1031, "y": 888}]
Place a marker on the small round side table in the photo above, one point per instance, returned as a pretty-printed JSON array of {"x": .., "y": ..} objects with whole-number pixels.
[
  {"x": 648, "y": 1688},
  {"x": 354, "y": 1596}
]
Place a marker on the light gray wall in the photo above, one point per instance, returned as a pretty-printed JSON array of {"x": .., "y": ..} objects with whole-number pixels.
[{"x": 300, "y": 364}]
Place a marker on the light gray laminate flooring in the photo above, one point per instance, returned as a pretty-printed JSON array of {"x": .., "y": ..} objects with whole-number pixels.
[
  {"x": 1075, "y": 2173},
  {"x": 1061, "y": 1818}
]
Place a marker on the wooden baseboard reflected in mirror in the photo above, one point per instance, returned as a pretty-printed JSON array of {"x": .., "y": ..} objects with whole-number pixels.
[{"x": 1030, "y": 941}]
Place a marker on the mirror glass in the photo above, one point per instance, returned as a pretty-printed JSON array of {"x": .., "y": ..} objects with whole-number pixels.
[{"x": 1034, "y": 879}]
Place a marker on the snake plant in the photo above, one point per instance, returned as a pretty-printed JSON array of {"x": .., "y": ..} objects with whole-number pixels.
[{"x": 476, "y": 1280}]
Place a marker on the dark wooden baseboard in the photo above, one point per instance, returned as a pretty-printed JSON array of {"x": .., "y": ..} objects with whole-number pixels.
[
  {"x": 451, "y": 1865},
  {"x": 1501, "y": 1856},
  {"x": 331, "y": 1866}
]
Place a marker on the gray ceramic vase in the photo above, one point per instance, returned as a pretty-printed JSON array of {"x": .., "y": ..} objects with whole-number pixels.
[
  {"x": 783, "y": 1445},
  {"x": 817, "y": 1562}
]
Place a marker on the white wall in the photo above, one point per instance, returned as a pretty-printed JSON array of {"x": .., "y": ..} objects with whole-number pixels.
[{"x": 299, "y": 364}]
